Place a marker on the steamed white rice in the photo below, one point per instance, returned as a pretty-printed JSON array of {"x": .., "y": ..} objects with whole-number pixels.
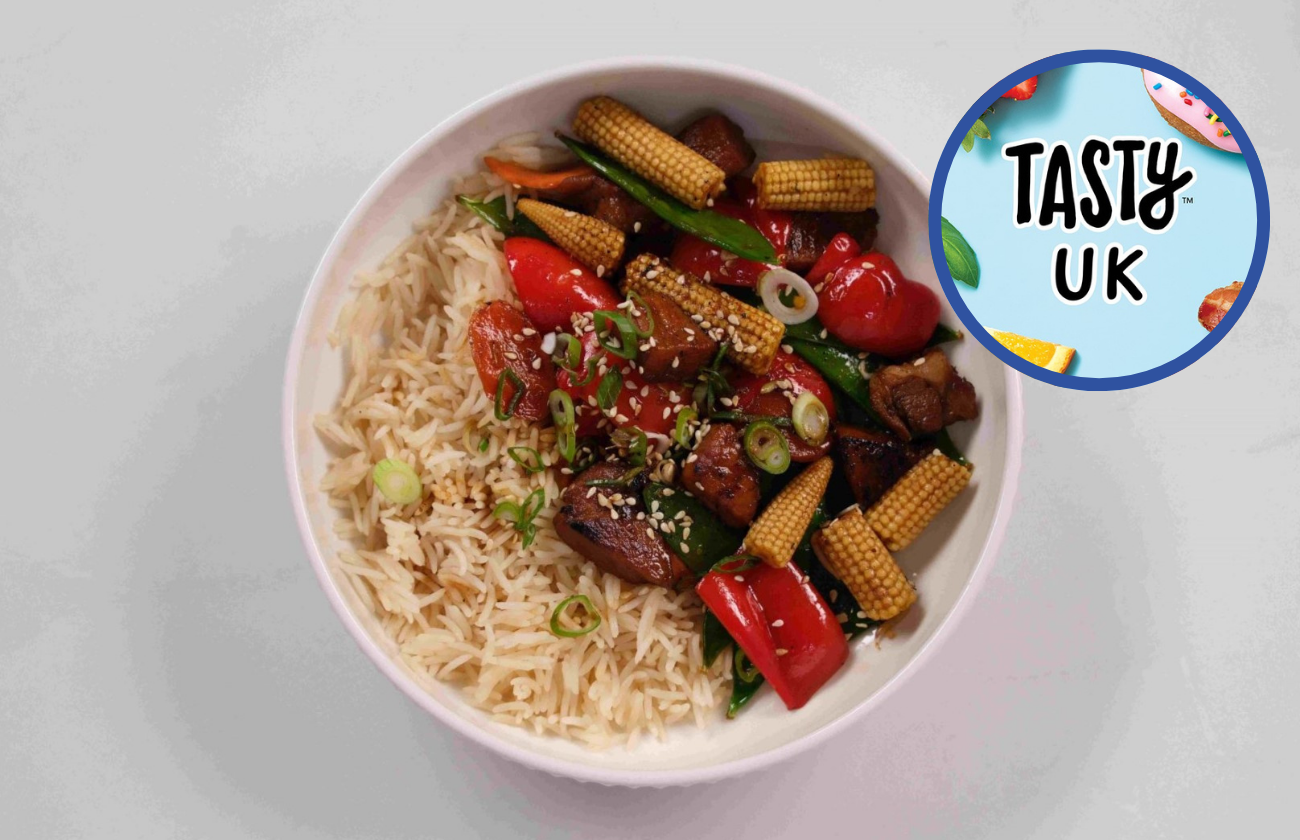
[{"x": 450, "y": 584}]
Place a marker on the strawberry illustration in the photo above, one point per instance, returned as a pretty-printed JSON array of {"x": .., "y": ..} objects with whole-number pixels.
[{"x": 1024, "y": 90}]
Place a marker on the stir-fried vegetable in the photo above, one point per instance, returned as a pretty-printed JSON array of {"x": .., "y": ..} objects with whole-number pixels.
[
  {"x": 616, "y": 333},
  {"x": 397, "y": 481},
  {"x": 745, "y": 683},
  {"x": 494, "y": 213},
  {"x": 610, "y": 387},
  {"x": 707, "y": 541},
  {"x": 566, "y": 440},
  {"x": 522, "y": 514},
  {"x": 552, "y": 286},
  {"x": 766, "y": 447},
  {"x": 782, "y": 625},
  {"x": 770, "y": 288},
  {"x": 593, "y": 618},
  {"x": 633, "y": 442},
  {"x": 503, "y": 407},
  {"x": 685, "y": 428},
  {"x": 527, "y": 458},
  {"x": 561, "y": 180},
  {"x": 811, "y": 420},
  {"x": 731, "y": 234}
]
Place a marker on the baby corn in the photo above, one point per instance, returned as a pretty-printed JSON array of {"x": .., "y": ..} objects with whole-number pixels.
[
  {"x": 902, "y": 513},
  {"x": 595, "y": 244},
  {"x": 752, "y": 335},
  {"x": 633, "y": 141},
  {"x": 851, "y": 551},
  {"x": 830, "y": 185},
  {"x": 776, "y": 533}
]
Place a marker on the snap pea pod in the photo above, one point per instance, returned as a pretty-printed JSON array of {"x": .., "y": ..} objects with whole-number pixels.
[
  {"x": 716, "y": 639},
  {"x": 709, "y": 539},
  {"x": 744, "y": 684},
  {"x": 843, "y": 367},
  {"x": 494, "y": 213},
  {"x": 727, "y": 233}
]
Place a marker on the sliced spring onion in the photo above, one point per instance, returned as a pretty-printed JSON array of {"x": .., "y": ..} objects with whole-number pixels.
[
  {"x": 527, "y": 458},
  {"x": 607, "y": 323},
  {"x": 634, "y": 441},
  {"x": 639, "y": 305},
  {"x": 770, "y": 286},
  {"x": 682, "y": 434},
  {"x": 766, "y": 447},
  {"x": 521, "y": 514},
  {"x": 502, "y": 409},
  {"x": 483, "y": 445},
  {"x": 593, "y": 617},
  {"x": 568, "y": 351},
  {"x": 745, "y": 669},
  {"x": 622, "y": 481},
  {"x": 397, "y": 481},
  {"x": 561, "y": 405},
  {"x": 811, "y": 420},
  {"x": 608, "y": 391},
  {"x": 735, "y": 564}
]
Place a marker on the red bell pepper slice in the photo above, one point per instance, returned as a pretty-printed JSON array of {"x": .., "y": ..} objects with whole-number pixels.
[
  {"x": 781, "y": 623},
  {"x": 840, "y": 250},
  {"x": 552, "y": 285}
]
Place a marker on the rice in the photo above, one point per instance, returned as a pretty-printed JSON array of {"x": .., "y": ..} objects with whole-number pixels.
[{"x": 447, "y": 582}]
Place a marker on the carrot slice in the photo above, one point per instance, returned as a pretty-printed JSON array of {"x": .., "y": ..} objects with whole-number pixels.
[{"x": 538, "y": 180}]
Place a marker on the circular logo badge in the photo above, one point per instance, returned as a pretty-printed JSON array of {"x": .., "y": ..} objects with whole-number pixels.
[{"x": 1099, "y": 220}]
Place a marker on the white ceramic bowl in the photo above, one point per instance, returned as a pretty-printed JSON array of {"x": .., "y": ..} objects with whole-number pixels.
[{"x": 951, "y": 559}]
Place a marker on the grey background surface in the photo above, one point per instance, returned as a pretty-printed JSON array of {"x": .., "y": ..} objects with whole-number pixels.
[{"x": 169, "y": 177}]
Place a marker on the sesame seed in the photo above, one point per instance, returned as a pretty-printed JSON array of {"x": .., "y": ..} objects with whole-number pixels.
[
  {"x": 707, "y": 278},
  {"x": 518, "y": 337},
  {"x": 780, "y": 622},
  {"x": 733, "y": 320},
  {"x": 709, "y": 202},
  {"x": 686, "y": 549},
  {"x": 781, "y": 651},
  {"x": 668, "y": 491},
  {"x": 787, "y": 348},
  {"x": 861, "y": 614},
  {"x": 649, "y": 532},
  {"x": 835, "y": 595},
  {"x": 591, "y": 491},
  {"x": 740, "y": 578},
  {"x": 667, "y": 411},
  {"x": 652, "y": 274},
  {"x": 576, "y": 272},
  {"x": 529, "y": 331},
  {"x": 512, "y": 356},
  {"x": 919, "y": 362},
  {"x": 822, "y": 334},
  {"x": 679, "y": 514},
  {"x": 537, "y": 363},
  {"x": 842, "y": 618},
  {"x": 613, "y": 514},
  {"x": 636, "y": 227}
]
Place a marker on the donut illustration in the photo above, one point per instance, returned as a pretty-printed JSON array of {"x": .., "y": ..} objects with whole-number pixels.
[{"x": 1185, "y": 111}]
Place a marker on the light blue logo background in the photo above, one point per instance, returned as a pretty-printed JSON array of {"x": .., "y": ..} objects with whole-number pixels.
[{"x": 1210, "y": 244}]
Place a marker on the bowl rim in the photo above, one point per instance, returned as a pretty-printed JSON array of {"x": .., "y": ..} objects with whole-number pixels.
[{"x": 393, "y": 671}]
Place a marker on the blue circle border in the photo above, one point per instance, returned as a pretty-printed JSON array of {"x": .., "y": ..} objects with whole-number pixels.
[{"x": 1110, "y": 383}]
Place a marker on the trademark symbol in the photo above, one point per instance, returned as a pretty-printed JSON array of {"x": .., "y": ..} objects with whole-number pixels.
[{"x": 1187, "y": 199}]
